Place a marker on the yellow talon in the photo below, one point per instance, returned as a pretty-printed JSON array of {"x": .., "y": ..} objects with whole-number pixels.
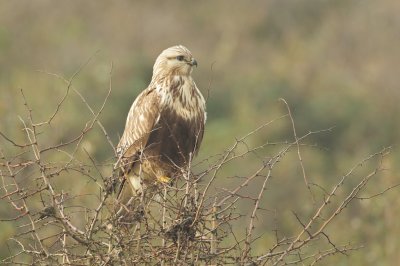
[{"x": 164, "y": 179}]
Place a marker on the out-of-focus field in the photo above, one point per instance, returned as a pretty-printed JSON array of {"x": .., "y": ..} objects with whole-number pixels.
[{"x": 335, "y": 62}]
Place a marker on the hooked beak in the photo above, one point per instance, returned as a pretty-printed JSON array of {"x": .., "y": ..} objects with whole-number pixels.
[{"x": 193, "y": 62}]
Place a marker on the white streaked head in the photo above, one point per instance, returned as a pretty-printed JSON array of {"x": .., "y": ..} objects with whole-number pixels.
[{"x": 176, "y": 60}]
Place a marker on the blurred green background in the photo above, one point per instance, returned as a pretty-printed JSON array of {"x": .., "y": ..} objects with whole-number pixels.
[{"x": 335, "y": 62}]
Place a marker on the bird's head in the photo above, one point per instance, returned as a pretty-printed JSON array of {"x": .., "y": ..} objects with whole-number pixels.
[{"x": 176, "y": 60}]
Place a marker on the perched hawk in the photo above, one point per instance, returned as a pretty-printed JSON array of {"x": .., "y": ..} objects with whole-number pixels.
[{"x": 165, "y": 124}]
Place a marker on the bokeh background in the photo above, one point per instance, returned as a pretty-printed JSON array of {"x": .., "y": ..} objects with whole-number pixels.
[{"x": 335, "y": 62}]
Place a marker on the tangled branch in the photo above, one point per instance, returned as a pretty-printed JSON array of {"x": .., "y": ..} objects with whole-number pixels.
[{"x": 194, "y": 221}]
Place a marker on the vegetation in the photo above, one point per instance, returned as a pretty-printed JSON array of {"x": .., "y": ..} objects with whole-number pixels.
[{"x": 334, "y": 62}]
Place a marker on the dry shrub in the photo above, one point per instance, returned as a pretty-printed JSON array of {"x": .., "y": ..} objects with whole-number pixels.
[{"x": 60, "y": 202}]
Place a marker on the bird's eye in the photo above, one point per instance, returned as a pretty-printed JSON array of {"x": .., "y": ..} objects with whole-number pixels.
[{"x": 180, "y": 57}]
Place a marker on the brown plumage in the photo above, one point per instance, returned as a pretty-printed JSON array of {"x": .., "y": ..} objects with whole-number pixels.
[{"x": 165, "y": 124}]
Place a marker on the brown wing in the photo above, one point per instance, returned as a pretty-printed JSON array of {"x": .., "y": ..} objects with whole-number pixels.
[{"x": 142, "y": 117}]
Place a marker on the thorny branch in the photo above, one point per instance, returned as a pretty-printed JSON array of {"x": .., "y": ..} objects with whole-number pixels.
[{"x": 193, "y": 221}]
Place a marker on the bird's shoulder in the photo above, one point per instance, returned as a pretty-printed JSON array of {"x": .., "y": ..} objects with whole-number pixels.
[
  {"x": 141, "y": 118},
  {"x": 146, "y": 97}
]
